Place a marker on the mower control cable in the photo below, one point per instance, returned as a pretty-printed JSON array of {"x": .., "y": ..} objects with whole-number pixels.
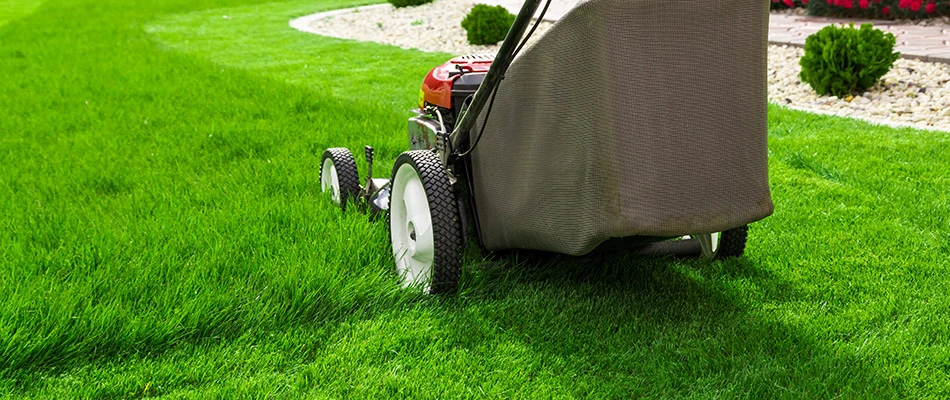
[
  {"x": 491, "y": 102},
  {"x": 441, "y": 122},
  {"x": 533, "y": 28},
  {"x": 481, "y": 130},
  {"x": 468, "y": 117}
]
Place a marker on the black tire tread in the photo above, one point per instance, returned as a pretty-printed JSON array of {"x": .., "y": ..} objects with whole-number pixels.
[
  {"x": 446, "y": 224},
  {"x": 732, "y": 242},
  {"x": 346, "y": 173}
]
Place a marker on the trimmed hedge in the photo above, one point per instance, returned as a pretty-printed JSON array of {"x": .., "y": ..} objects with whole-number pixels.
[{"x": 407, "y": 3}]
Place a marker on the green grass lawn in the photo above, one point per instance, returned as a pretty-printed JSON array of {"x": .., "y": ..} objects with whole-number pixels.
[
  {"x": 15, "y": 9},
  {"x": 162, "y": 234}
]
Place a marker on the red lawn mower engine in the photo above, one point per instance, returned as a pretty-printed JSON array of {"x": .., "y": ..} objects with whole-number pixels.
[{"x": 444, "y": 93}]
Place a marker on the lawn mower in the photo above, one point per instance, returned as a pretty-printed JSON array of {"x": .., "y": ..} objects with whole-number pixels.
[{"x": 629, "y": 125}]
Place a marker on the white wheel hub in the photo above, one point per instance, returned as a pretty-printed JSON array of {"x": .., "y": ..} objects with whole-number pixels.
[
  {"x": 329, "y": 181},
  {"x": 411, "y": 228},
  {"x": 709, "y": 242}
]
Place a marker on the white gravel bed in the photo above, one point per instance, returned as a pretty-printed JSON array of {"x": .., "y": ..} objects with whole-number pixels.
[
  {"x": 913, "y": 93},
  {"x": 435, "y": 26}
]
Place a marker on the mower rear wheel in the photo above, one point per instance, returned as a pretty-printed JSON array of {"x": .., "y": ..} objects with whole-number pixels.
[
  {"x": 338, "y": 176},
  {"x": 732, "y": 242},
  {"x": 424, "y": 224},
  {"x": 725, "y": 244}
]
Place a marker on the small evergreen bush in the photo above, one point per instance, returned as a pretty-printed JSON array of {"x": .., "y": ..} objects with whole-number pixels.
[
  {"x": 408, "y": 3},
  {"x": 487, "y": 24},
  {"x": 844, "y": 60}
]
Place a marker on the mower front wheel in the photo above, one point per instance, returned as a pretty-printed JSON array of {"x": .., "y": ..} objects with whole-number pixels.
[
  {"x": 338, "y": 176},
  {"x": 424, "y": 224}
]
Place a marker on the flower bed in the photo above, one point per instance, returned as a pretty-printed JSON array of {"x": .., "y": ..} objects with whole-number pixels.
[{"x": 879, "y": 9}]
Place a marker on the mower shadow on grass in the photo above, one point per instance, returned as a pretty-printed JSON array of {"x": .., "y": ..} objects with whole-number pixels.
[
  {"x": 506, "y": 270},
  {"x": 655, "y": 326}
]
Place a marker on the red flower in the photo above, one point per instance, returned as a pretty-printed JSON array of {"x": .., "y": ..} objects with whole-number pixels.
[
  {"x": 863, "y": 4},
  {"x": 886, "y": 10},
  {"x": 931, "y": 7},
  {"x": 790, "y": 3},
  {"x": 845, "y": 3},
  {"x": 915, "y": 5},
  {"x": 903, "y": 3}
]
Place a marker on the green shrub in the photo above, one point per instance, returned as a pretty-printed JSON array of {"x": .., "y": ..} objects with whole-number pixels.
[
  {"x": 408, "y": 3},
  {"x": 844, "y": 60},
  {"x": 487, "y": 24}
]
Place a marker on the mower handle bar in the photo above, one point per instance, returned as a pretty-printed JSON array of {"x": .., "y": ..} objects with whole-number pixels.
[{"x": 496, "y": 72}]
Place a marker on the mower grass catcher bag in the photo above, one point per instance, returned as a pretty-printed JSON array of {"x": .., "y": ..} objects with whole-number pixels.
[{"x": 628, "y": 118}]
